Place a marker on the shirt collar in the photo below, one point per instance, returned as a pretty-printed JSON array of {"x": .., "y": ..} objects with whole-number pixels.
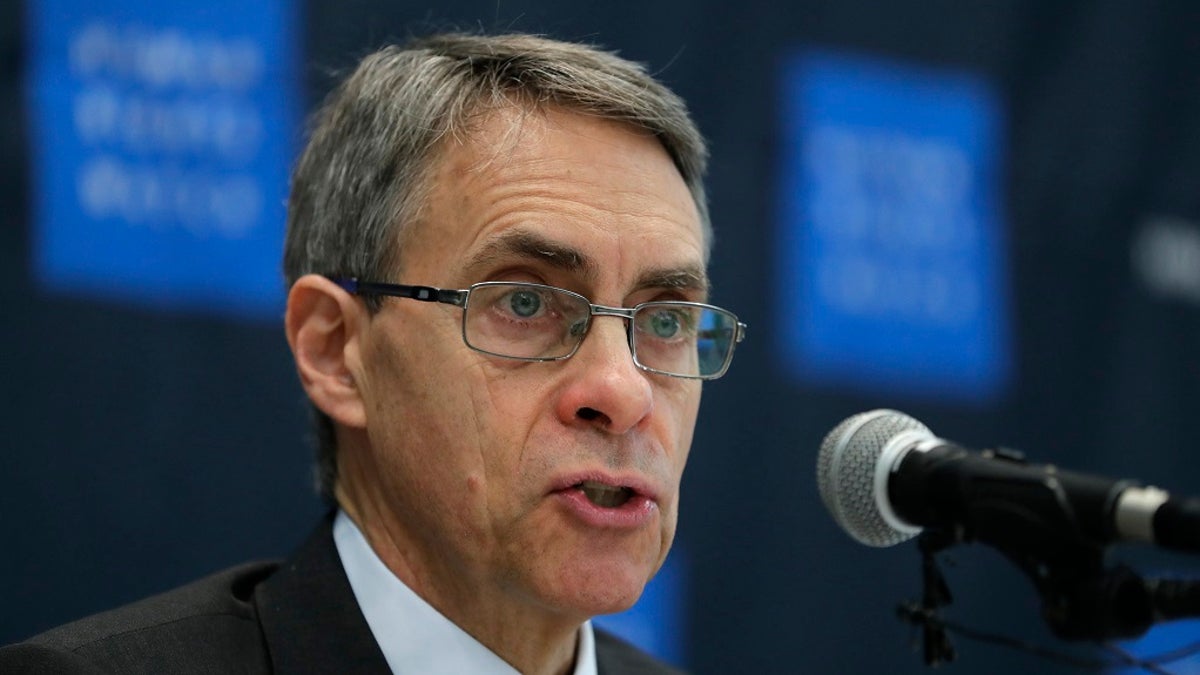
[{"x": 413, "y": 636}]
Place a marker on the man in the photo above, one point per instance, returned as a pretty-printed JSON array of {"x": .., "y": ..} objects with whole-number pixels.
[{"x": 496, "y": 253}]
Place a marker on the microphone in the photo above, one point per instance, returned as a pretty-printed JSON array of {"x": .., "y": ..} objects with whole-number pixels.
[{"x": 884, "y": 477}]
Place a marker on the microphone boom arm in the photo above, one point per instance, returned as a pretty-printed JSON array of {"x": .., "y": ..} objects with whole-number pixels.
[
  {"x": 885, "y": 477},
  {"x": 1023, "y": 511}
]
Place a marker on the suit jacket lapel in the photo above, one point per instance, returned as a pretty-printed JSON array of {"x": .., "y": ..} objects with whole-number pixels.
[
  {"x": 310, "y": 620},
  {"x": 312, "y": 623}
]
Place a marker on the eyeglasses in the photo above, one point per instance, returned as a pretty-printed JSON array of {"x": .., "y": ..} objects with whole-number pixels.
[{"x": 534, "y": 322}]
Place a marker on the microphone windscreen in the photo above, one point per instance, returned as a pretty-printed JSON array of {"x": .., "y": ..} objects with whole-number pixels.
[{"x": 846, "y": 474}]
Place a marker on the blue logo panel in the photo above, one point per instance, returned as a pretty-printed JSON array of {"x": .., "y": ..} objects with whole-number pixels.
[
  {"x": 161, "y": 138},
  {"x": 891, "y": 260}
]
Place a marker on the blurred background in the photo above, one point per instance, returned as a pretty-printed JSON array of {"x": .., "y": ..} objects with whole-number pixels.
[{"x": 985, "y": 214}]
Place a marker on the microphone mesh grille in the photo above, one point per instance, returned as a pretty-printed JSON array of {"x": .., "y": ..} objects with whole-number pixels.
[{"x": 846, "y": 473}]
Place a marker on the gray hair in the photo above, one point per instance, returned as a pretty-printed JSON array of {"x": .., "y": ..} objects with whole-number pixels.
[{"x": 365, "y": 172}]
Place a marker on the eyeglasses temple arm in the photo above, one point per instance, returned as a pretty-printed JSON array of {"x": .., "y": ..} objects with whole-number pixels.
[{"x": 423, "y": 293}]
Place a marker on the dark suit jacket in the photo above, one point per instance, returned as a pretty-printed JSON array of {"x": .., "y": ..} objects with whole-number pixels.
[{"x": 296, "y": 617}]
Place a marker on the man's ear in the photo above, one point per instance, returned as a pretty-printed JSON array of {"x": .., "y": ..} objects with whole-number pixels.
[{"x": 322, "y": 325}]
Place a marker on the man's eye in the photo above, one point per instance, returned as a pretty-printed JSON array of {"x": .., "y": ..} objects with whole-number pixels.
[
  {"x": 664, "y": 324},
  {"x": 525, "y": 304}
]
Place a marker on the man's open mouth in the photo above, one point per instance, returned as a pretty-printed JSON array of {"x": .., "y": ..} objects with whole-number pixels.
[{"x": 605, "y": 496}]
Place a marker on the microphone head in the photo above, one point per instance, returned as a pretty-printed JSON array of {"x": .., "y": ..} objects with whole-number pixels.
[{"x": 852, "y": 471}]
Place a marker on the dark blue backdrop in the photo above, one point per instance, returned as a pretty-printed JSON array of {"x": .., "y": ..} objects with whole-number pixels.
[{"x": 147, "y": 447}]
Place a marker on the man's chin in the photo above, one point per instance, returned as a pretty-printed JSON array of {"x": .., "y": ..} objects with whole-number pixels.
[
  {"x": 588, "y": 573},
  {"x": 600, "y": 589}
]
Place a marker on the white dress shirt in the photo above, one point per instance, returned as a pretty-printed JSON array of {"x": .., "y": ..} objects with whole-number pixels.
[{"x": 415, "y": 637}]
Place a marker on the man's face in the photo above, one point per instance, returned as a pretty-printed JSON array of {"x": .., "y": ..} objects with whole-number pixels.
[{"x": 476, "y": 463}]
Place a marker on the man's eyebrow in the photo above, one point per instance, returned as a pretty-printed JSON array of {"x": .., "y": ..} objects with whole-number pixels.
[
  {"x": 691, "y": 278},
  {"x": 529, "y": 245}
]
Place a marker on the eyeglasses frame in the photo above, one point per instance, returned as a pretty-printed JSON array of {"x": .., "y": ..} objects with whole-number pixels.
[{"x": 460, "y": 298}]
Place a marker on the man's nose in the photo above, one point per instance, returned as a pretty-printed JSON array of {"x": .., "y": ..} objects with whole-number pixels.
[{"x": 606, "y": 389}]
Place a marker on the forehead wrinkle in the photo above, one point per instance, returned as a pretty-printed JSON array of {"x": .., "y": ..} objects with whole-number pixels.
[{"x": 523, "y": 244}]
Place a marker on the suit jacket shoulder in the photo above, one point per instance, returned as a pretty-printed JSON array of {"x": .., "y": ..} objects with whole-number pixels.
[
  {"x": 298, "y": 618},
  {"x": 209, "y": 625}
]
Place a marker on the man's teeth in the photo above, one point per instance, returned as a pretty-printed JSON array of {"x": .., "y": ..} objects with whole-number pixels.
[{"x": 607, "y": 496}]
